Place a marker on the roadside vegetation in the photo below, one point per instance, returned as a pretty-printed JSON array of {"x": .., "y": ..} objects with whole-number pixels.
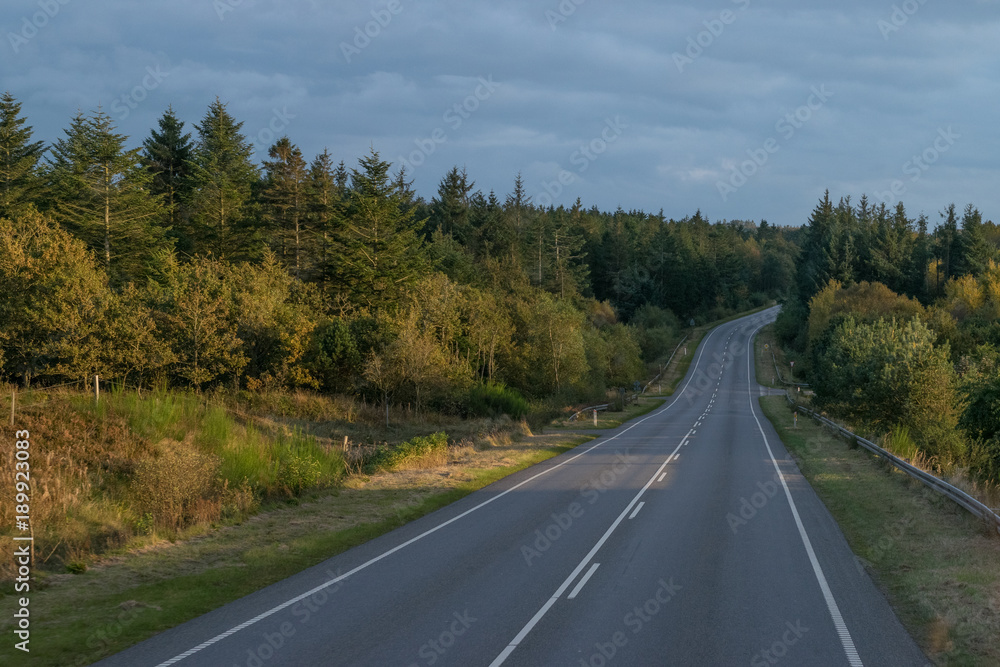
[
  {"x": 897, "y": 330},
  {"x": 938, "y": 565}
]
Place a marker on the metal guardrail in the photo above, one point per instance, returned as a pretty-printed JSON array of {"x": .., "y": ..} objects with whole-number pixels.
[
  {"x": 666, "y": 365},
  {"x": 777, "y": 372},
  {"x": 598, "y": 408},
  {"x": 944, "y": 488},
  {"x": 634, "y": 396}
]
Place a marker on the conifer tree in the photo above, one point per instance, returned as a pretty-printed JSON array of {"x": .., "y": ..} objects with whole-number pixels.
[
  {"x": 379, "y": 253},
  {"x": 450, "y": 209},
  {"x": 285, "y": 199},
  {"x": 101, "y": 193},
  {"x": 19, "y": 157},
  {"x": 976, "y": 250},
  {"x": 222, "y": 179},
  {"x": 325, "y": 208},
  {"x": 167, "y": 155}
]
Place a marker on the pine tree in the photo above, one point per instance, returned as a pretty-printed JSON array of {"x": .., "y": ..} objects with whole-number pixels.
[
  {"x": 816, "y": 269},
  {"x": 222, "y": 179},
  {"x": 517, "y": 210},
  {"x": 920, "y": 258},
  {"x": 569, "y": 268},
  {"x": 948, "y": 248},
  {"x": 493, "y": 237},
  {"x": 378, "y": 250},
  {"x": 325, "y": 208},
  {"x": 101, "y": 193},
  {"x": 976, "y": 250},
  {"x": 450, "y": 209},
  {"x": 167, "y": 155},
  {"x": 19, "y": 157},
  {"x": 285, "y": 198}
]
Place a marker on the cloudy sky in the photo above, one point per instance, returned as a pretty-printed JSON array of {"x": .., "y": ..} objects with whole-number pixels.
[{"x": 745, "y": 109}]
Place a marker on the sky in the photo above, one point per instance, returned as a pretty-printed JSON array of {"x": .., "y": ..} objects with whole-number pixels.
[{"x": 744, "y": 109}]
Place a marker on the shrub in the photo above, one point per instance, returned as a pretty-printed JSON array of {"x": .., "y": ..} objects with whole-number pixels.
[
  {"x": 416, "y": 450},
  {"x": 495, "y": 399}
]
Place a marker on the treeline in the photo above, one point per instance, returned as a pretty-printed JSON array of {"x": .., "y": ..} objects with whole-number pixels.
[
  {"x": 184, "y": 262},
  {"x": 899, "y": 327}
]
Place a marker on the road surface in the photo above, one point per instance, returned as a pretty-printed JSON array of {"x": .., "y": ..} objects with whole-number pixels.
[{"x": 687, "y": 537}]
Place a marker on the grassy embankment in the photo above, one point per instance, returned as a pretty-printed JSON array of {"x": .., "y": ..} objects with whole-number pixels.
[
  {"x": 938, "y": 565},
  {"x": 170, "y": 505}
]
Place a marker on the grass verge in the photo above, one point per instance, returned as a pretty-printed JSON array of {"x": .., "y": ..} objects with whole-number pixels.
[
  {"x": 78, "y": 619},
  {"x": 606, "y": 419},
  {"x": 938, "y": 565}
]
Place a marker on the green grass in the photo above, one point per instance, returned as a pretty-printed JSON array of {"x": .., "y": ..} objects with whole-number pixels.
[
  {"x": 609, "y": 419},
  {"x": 83, "y": 619},
  {"x": 938, "y": 565}
]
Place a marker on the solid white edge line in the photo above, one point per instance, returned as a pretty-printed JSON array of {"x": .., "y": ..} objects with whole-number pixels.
[
  {"x": 368, "y": 563},
  {"x": 831, "y": 603},
  {"x": 584, "y": 579},
  {"x": 636, "y": 510}
]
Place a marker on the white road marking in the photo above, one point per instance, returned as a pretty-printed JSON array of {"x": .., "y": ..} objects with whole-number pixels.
[
  {"x": 662, "y": 477},
  {"x": 583, "y": 580},
  {"x": 499, "y": 660},
  {"x": 288, "y": 603},
  {"x": 636, "y": 510},
  {"x": 831, "y": 604}
]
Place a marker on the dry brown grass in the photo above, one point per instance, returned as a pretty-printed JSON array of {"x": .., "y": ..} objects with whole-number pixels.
[{"x": 133, "y": 471}]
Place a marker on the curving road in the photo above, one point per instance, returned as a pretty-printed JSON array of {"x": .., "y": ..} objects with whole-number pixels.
[{"x": 687, "y": 537}]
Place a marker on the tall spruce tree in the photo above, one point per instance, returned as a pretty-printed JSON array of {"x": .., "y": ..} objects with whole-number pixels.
[
  {"x": 450, "y": 209},
  {"x": 949, "y": 246},
  {"x": 976, "y": 250},
  {"x": 285, "y": 198},
  {"x": 167, "y": 155},
  {"x": 19, "y": 159},
  {"x": 223, "y": 176},
  {"x": 102, "y": 193},
  {"x": 379, "y": 253},
  {"x": 325, "y": 208}
]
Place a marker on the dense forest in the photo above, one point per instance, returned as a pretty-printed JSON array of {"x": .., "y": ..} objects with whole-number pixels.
[
  {"x": 181, "y": 262},
  {"x": 898, "y": 327}
]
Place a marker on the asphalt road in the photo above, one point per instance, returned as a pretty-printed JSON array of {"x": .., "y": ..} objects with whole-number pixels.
[{"x": 687, "y": 537}]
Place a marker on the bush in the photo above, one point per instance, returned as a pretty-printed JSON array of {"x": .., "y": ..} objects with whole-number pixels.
[
  {"x": 407, "y": 453},
  {"x": 495, "y": 399}
]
